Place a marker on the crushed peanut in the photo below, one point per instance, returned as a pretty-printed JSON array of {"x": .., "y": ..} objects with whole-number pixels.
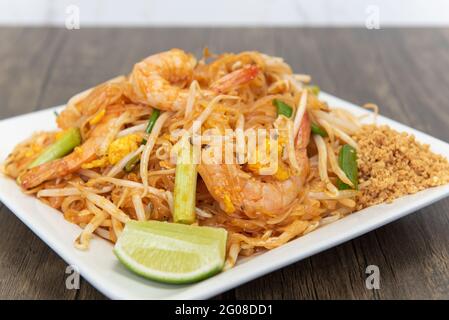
[{"x": 393, "y": 164}]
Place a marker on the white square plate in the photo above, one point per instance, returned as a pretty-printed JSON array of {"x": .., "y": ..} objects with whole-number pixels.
[{"x": 100, "y": 267}]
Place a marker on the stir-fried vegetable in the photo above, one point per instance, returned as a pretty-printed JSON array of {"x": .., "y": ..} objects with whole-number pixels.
[
  {"x": 283, "y": 108},
  {"x": 154, "y": 116},
  {"x": 63, "y": 146},
  {"x": 316, "y": 129},
  {"x": 347, "y": 160},
  {"x": 132, "y": 164},
  {"x": 134, "y": 161},
  {"x": 185, "y": 187},
  {"x": 314, "y": 89}
]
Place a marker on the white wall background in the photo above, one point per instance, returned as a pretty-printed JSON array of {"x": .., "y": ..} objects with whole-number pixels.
[{"x": 226, "y": 12}]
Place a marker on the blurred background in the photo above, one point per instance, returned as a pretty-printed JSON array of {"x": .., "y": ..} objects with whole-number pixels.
[{"x": 226, "y": 13}]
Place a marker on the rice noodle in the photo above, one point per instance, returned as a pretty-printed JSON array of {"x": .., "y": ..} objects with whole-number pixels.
[
  {"x": 113, "y": 130},
  {"x": 106, "y": 205},
  {"x": 127, "y": 184},
  {"x": 348, "y": 116},
  {"x": 131, "y": 130},
  {"x": 138, "y": 206},
  {"x": 302, "y": 77},
  {"x": 341, "y": 194},
  {"x": 300, "y": 110},
  {"x": 202, "y": 213},
  {"x": 58, "y": 192},
  {"x": 295, "y": 82},
  {"x": 291, "y": 147},
  {"x": 240, "y": 139},
  {"x": 169, "y": 197},
  {"x": 116, "y": 227},
  {"x": 329, "y": 129},
  {"x": 346, "y": 138},
  {"x": 89, "y": 173},
  {"x": 83, "y": 240},
  {"x": 123, "y": 196},
  {"x": 103, "y": 233},
  {"x": 291, "y": 231},
  {"x": 69, "y": 192},
  {"x": 196, "y": 125},
  {"x": 336, "y": 122},
  {"x": 161, "y": 172},
  {"x": 375, "y": 109},
  {"x": 106, "y": 223},
  {"x": 122, "y": 163},
  {"x": 347, "y": 202},
  {"x": 194, "y": 86},
  {"x": 209, "y": 109},
  {"x": 149, "y": 147},
  {"x": 335, "y": 167},
  {"x": 233, "y": 254},
  {"x": 322, "y": 163},
  {"x": 312, "y": 226}
]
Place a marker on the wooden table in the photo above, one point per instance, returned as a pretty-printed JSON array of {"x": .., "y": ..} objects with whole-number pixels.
[{"x": 404, "y": 71}]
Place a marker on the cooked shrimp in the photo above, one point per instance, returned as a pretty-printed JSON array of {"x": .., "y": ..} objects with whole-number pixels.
[
  {"x": 26, "y": 152},
  {"x": 235, "y": 190},
  {"x": 99, "y": 139},
  {"x": 226, "y": 63},
  {"x": 235, "y": 78},
  {"x": 159, "y": 80},
  {"x": 90, "y": 101}
]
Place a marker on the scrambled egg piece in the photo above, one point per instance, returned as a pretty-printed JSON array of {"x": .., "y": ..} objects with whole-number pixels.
[
  {"x": 229, "y": 206},
  {"x": 121, "y": 147},
  {"x": 99, "y": 163},
  {"x": 34, "y": 149},
  {"x": 117, "y": 150},
  {"x": 59, "y": 134},
  {"x": 97, "y": 117},
  {"x": 282, "y": 172}
]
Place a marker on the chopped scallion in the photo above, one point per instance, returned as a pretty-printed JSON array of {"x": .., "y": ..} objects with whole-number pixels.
[
  {"x": 283, "y": 108},
  {"x": 185, "y": 187},
  {"x": 347, "y": 160},
  {"x": 316, "y": 129},
  {"x": 314, "y": 89},
  {"x": 135, "y": 160},
  {"x": 62, "y": 147}
]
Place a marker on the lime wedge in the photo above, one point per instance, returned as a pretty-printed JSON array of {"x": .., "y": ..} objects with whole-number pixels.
[{"x": 171, "y": 252}]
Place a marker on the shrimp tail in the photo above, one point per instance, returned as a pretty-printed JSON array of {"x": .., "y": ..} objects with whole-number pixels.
[
  {"x": 99, "y": 139},
  {"x": 235, "y": 79},
  {"x": 59, "y": 168},
  {"x": 303, "y": 136}
]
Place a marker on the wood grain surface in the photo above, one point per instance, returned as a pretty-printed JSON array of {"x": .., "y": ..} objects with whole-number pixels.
[{"x": 404, "y": 71}]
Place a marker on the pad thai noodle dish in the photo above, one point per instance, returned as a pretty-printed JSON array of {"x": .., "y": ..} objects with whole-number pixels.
[{"x": 160, "y": 160}]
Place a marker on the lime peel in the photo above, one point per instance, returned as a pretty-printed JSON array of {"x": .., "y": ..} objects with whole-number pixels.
[{"x": 170, "y": 252}]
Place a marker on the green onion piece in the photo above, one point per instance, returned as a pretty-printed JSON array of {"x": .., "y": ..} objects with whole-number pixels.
[
  {"x": 314, "y": 89},
  {"x": 132, "y": 164},
  {"x": 283, "y": 108},
  {"x": 56, "y": 113},
  {"x": 347, "y": 160},
  {"x": 135, "y": 160},
  {"x": 185, "y": 187},
  {"x": 62, "y": 147},
  {"x": 316, "y": 129},
  {"x": 153, "y": 118}
]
